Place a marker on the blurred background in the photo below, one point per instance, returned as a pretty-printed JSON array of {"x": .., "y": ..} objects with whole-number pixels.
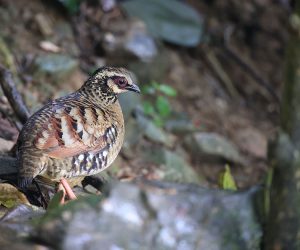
[{"x": 210, "y": 74}]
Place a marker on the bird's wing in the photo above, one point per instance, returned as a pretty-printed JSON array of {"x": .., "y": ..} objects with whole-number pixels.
[{"x": 74, "y": 130}]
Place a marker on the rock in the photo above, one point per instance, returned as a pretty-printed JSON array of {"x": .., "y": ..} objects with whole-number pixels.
[
  {"x": 212, "y": 147},
  {"x": 6, "y": 145},
  {"x": 131, "y": 38},
  {"x": 253, "y": 142},
  {"x": 172, "y": 166},
  {"x": 10, "y": 196},
  {"x": 154, "y": 216},
  {"x": 154, "y": 70},
  {"x": 129, "y": 102},
  {"x": 175, "y": 22},
  {"x": 180, "y": 126},
  {"x": 133, "y": 134},
  {"x": 9, "y": 240},
  {"x": 16, "y": 225},
  {"x": 58, "y": 67},
  {"x": 140, "y": 43},
  {"x": 154, "y": 133}
]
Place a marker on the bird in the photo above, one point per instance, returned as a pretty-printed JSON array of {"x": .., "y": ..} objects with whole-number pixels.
[{"x": 77, "y": 135}]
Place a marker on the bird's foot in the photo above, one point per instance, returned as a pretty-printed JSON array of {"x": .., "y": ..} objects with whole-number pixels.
[{"x": 67, "y": 190}]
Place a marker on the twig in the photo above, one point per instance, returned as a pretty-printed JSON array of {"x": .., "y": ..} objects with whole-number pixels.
[
  {"x": 223, "y": 76},
  {"x": 12, "y": 94},
  {"x": 246, "y": 66},
  {"x": 252, "y": 72}
]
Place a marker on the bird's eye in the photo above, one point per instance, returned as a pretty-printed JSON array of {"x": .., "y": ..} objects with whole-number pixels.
[{"x": 121, "y": 82}]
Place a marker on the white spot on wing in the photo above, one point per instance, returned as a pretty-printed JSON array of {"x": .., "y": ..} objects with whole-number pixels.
[
  {"x": 67, "y": 138},
  {"x": 81, "y": 157},
  {"x": 113, "y": 131},
  {"x": 90, "y": 156},
  {"x": 104, "y": 153}
]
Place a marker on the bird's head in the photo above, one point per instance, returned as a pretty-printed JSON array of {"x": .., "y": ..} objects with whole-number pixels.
[{"x": 110, "y": 81}]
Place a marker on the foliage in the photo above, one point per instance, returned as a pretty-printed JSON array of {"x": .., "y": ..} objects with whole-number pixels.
[
  {"x": 226, "y": 180},
  {"x": 55, "y": 201},
  {"x": 159, "y": 109},
  {"x": 170, "y": 20},
  {"x": 71, "y": 5}
]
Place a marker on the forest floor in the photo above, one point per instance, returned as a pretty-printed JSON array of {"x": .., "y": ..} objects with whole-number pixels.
[{"x": 228, "y": 85}]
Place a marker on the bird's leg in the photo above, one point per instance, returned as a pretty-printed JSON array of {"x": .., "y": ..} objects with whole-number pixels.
[{"x": 64, "y": 185}]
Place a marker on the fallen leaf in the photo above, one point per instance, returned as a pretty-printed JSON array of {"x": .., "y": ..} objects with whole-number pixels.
[{"x": 49, "y": 46}]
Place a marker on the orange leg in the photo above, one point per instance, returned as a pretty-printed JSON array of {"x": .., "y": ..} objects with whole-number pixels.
[{"x": 64, "y": 185}]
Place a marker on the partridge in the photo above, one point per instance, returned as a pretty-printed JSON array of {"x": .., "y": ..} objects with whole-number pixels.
[{"x": 77, "y": 135}]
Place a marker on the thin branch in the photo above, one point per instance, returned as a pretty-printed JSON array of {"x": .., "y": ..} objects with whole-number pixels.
[
  {"x": 251, "y": 71},
  {"x": 221, "y": 73},
  {"x": 12, "y": 94}
]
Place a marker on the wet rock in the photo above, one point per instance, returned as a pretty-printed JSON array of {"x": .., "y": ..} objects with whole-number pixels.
[
  {"x": 155, "y": 216},
  {"x": 57, "y": 67},
  {"x": 212, "y": 147},
  {"x": 154, "y": 133}
]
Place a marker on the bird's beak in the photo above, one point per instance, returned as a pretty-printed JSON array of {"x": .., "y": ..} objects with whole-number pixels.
[{"x": 133, "y": 87}]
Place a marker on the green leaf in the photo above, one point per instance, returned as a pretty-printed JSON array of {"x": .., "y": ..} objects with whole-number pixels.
[
  {"x": 226, "y": 180},
  {"x": 55, "y": 202},
  {"x": 158, "y": 121},
  {"x": 148, "y": 90},
  {"x": 170, "y": 20},
  {"x": 167, "y": 90},
  {"x": 148, "y": 108},
  {"x": 71, "y": 5},
  {"x": 163, "y": 106},
  {"x": 155, "y": 85}
]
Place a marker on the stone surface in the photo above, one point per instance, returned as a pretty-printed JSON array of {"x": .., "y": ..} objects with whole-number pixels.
[
  {"x": 59, "y": 67},
  {"x": 180, "y": 126},
  {"x": 154, "y": 133},
  {"x": 172, "y": 166},
  {"x": 16, "y": 225},
  {"x": 5, "y": 145},
  {"x": 129, "y": 103},
  {"x": 133, "y": 134},
  {"x": 155, "y": 216},
  {"x": 212, "y": 147},
  {"x": 139, "y": 42},
  {"x": 253, "y": 142}
]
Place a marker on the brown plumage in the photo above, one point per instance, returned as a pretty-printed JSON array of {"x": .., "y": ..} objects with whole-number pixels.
[{"x": 76, "y": 135}]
